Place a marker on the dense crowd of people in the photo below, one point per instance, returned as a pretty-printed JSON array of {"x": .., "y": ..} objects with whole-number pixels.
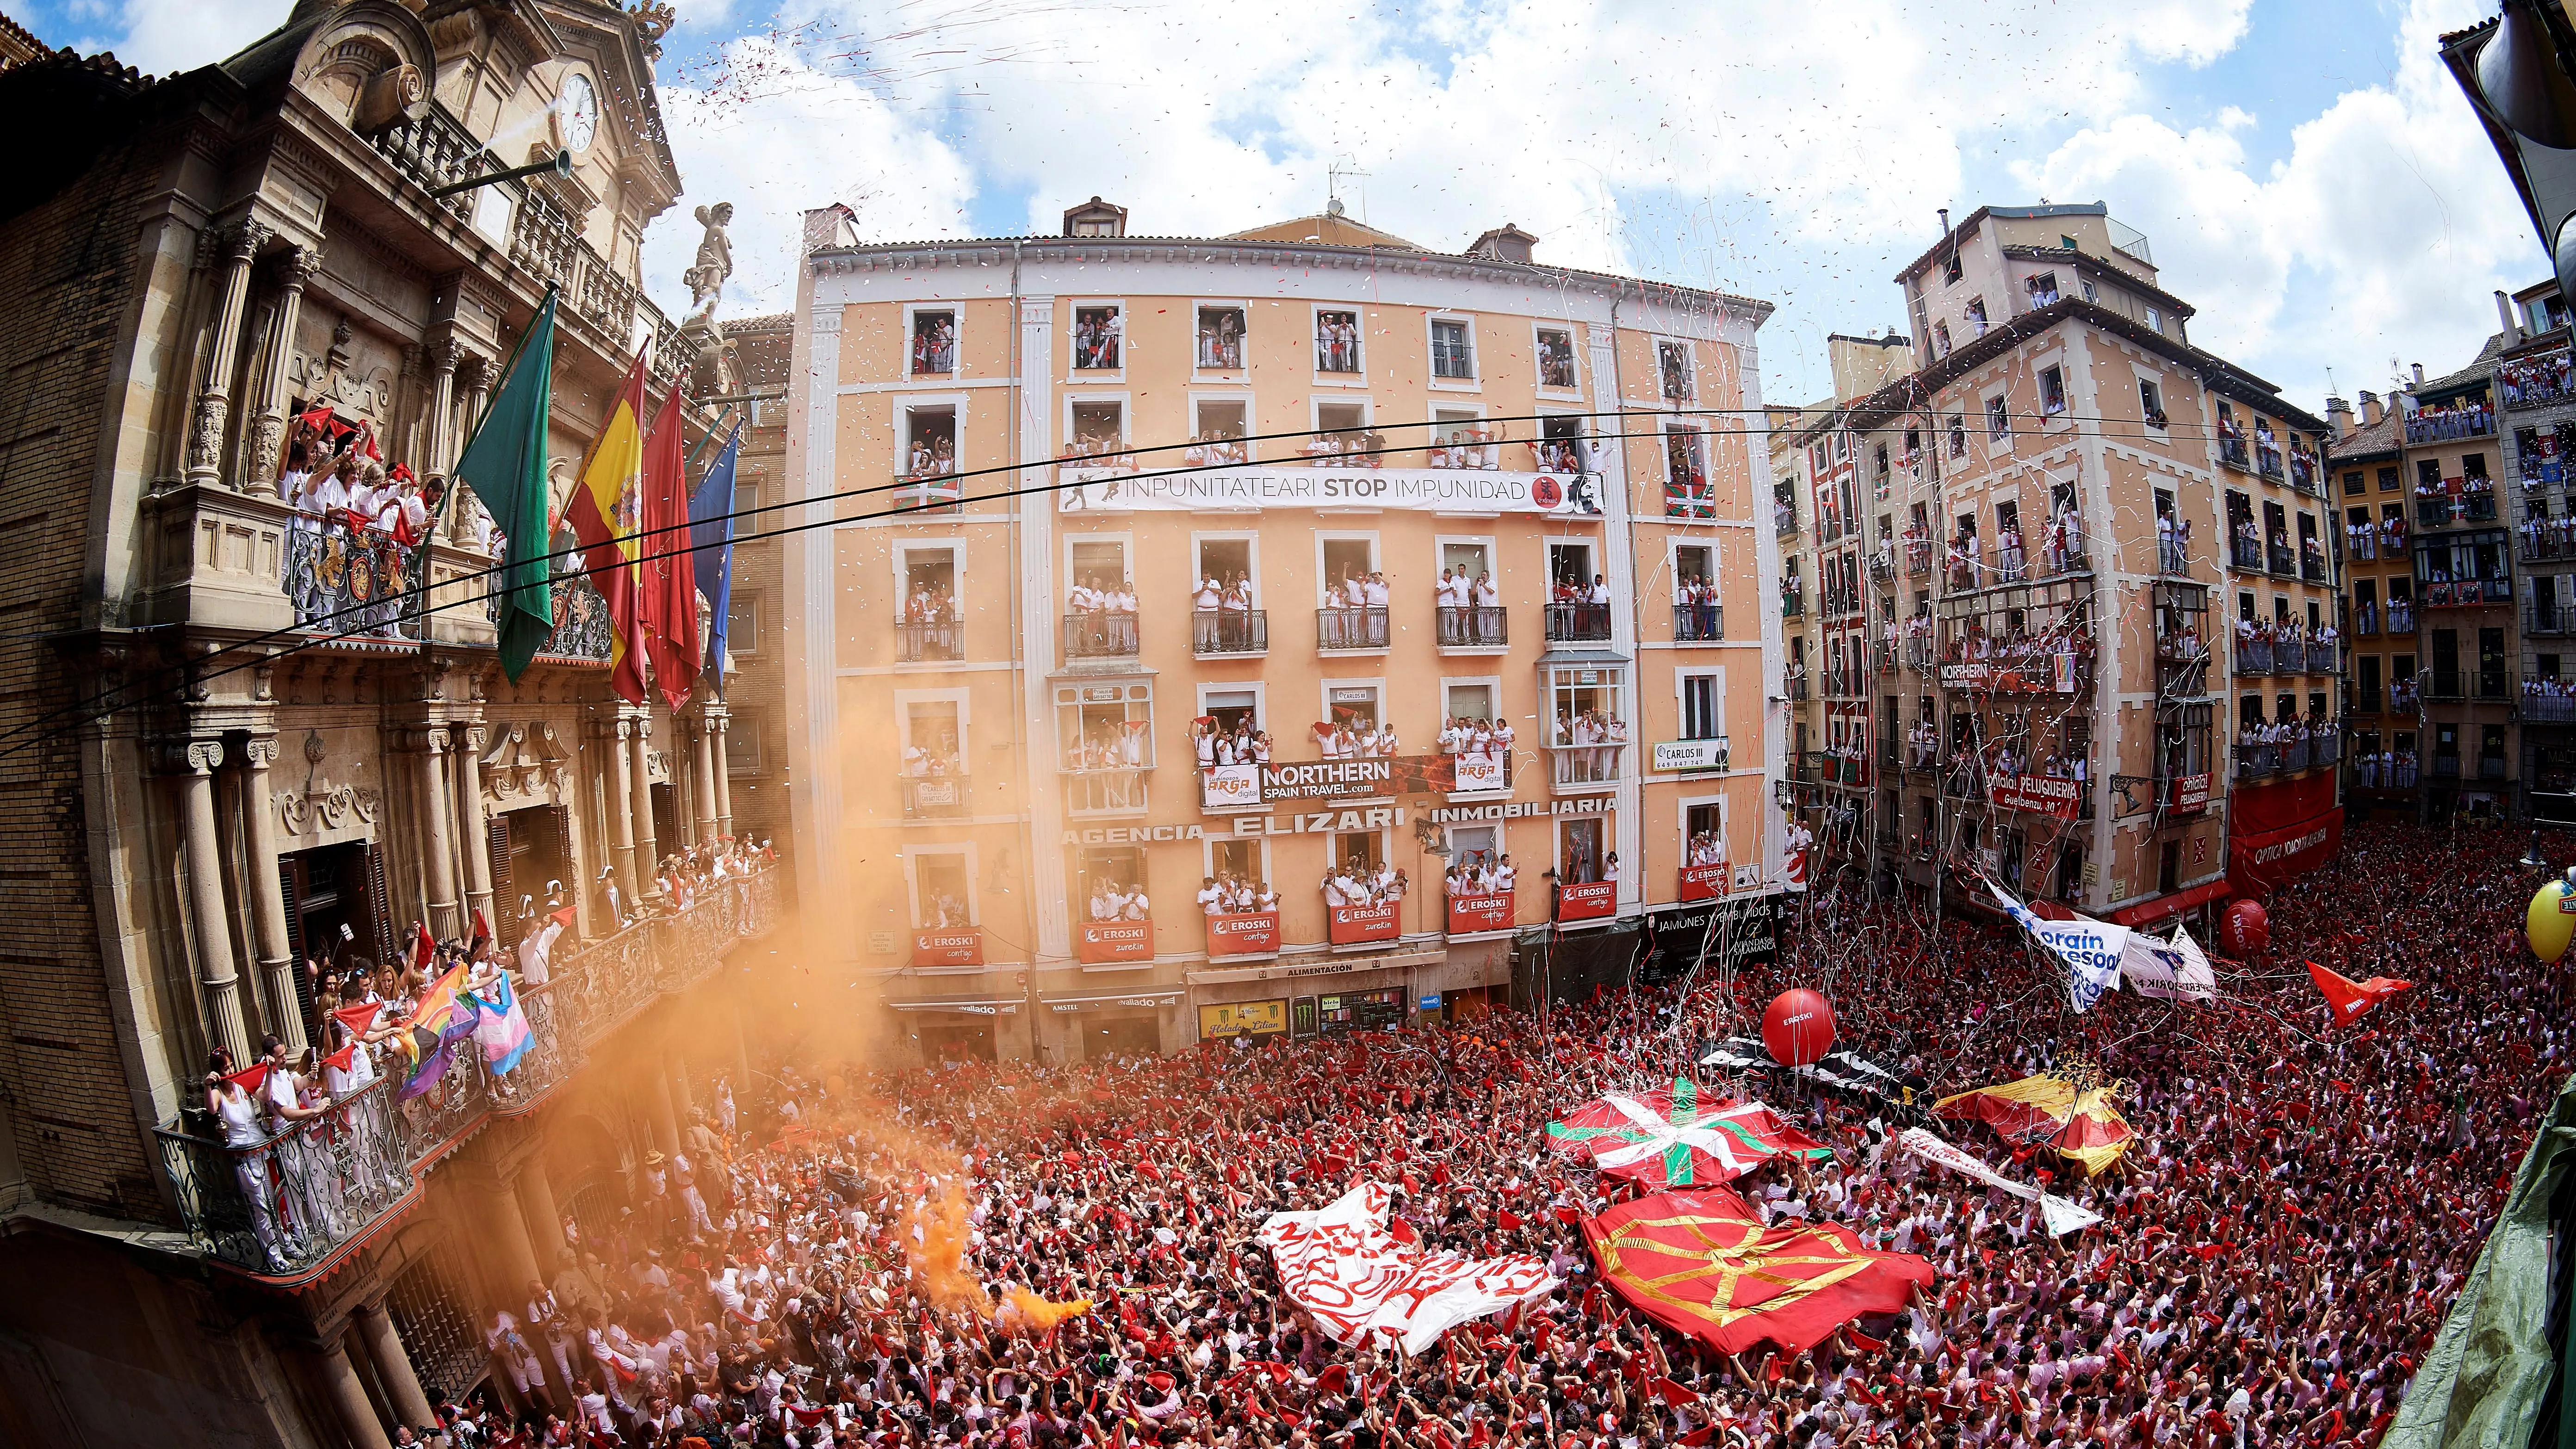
[{"x": 1055, "y": 1256}]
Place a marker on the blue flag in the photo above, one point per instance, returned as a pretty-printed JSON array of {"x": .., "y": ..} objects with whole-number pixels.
[{"x": 711, "y": 536}]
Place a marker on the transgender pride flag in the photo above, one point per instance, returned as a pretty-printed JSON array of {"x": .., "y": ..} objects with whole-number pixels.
[{"x": 500, "y": 1026}]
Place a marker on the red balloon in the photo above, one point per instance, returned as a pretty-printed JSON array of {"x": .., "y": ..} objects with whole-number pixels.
[
  {"x": 2246, "y": 928},
  {"x": 1798, "y": 1027}
]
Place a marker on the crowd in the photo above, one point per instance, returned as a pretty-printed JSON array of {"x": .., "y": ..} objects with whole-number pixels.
[
  {"x": 1112, "y": 900},
  {"x": 1356, "y": 882},
  {"x": 2546, "y": 537},
  {"x": 1216, "y": 742},
  {"x": 2549, "y": 699},
  {"x": 1230, "y": 894},
  {"x": 930, "y": 457},
  {"x": 1357, "y": 737},
  {"x": 1097, "y": 334},
  {"x": 2531, "y": 381},
  {"x": 1059, "y": 1256},
  {"x": 1337, "y": 342},
  {"x": 934, "y": 345},
  {"x": 1361, "y": 449},
  {"x": 1104, "y": 614},
  {"x": 2438, "y": 424},
  {"x": 2385, "y": 769}
]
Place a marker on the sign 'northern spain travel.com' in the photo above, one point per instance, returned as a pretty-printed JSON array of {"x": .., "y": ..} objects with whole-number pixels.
[{"x": 1429, "y": 490}]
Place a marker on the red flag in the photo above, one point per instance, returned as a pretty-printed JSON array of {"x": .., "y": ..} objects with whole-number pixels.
[
  {"x": 357, "y": 1019},
  {"x": 1511, "y": 1221},
  {"x": 250, "y": 1078},
  {"x": 670, "y": 593},
  {"x": 1700, "y": 1263},
  {"x": 1672, "y": 1393},
  {"x": 2349, "y": 998},
  {"x": 422, "y": 949}
]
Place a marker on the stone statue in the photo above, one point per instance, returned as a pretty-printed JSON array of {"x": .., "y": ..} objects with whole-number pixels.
[{"x": 715, "y": 262}]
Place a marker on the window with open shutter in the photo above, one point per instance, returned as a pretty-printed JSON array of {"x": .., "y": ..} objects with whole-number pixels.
[
  {"x": 506, "y": 916},
  {"x": 290, "y": 883},
  {"x": 379, "y": 903}
]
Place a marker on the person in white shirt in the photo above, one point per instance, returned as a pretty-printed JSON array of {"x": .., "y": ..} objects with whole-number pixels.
[
  {"x": 1599, "y": 593},
  {"x": 1505, "y": 876},
  {"x": 1137, "y": 908},
  {"x": 1203, "y": 609},
  {"x": 1104, "y": 904},
  {"x": 1211, "y": 896}
]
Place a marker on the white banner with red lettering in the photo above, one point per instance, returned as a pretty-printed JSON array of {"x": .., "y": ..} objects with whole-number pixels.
[{"x": 1362, "y": 1279}]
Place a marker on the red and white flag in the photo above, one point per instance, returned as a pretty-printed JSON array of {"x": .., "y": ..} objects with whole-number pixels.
[
  {"x": 2351, "y": 998},
  {"x": 537, "y": 947},
  {"x": 1360, "y": 1279}
]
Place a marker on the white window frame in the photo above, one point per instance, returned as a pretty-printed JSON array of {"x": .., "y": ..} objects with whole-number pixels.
[
  {"x": 901, "y": 426},
  {"x": 1259, "y": 690},
  {"x": 1064, "y": 561},
  {"x": 1091, "y": 376},
  {"x": 1701, "y": 435},
  {"x": 1377, "y": 558},
  {"x": 1986, "y": 419},
  {"x": 2064, "y": 417},
  {"x": 1200, "y": 536},
  {"x": 956, "y": 312},
  {"x": 1476, "y": 412},
  {"x": 912, "y": 855},
  {"x": 1547, "y": 561},
  {"x": 1475, "y": 379},
  {"x": 1673, "y": 546},
  {"x": 1207, "y": 857},
  {"x": 758, "y": 599},
  {"x": 1609, "y": 821},
  {"x": 899, "y": 557},
  {"x": 1239, "y": 304},
  {"x": 1126, "y": 416},
  {"x": 1682, "y": 808},
  {"x": 1314, "y": 323},
  {"x": 1713, "y": 672},
  {"x": 905, "y": 699},
  {"x": 1690, "y": 381},
  {"x": 1493, "y": 682},
  {"x": 1315, "y": 406},
  {"x": 1573, "y": 347},
  {"x": 1251, "y": 421},
  {"x": 1385, "y": 705},
  {"x": 1443, "y": 542}
]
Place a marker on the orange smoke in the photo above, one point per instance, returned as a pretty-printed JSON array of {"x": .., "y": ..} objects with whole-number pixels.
[
  {"x": 1043, "y": 1314},
  {"x": 938, "y": 1260}
]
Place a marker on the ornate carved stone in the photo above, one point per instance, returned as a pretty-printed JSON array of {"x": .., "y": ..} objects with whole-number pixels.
[
  {"x": 206, "y": 432},
  {"x": 327, "y": 808}
]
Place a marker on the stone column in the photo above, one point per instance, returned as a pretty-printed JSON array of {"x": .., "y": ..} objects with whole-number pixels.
[
  {"x": 683, "y": 1102},
  {"x": 476, "y": 374},
  {"x": 545, "y": 1221},
  {"x": 268, "y": 430},
  {"x": 205, "y": 870},
  {"x": 621, "y": 804},
  {"x": 442, "y": 354},
  {"x": 234, "y": 247},
  {"x": 706, "y": 771},
  {"x": 277, "y": 963},
  {"x": 384, "y": 1347},
  {"x": 474, "y": 834},
  {"x": 648, "y": 857},
  {"x": 666, "y": 1122},
  {"x": 513, "y": 1254},
  {"x": 722, "y": 722},
  {"x": 436, "y": 847},
  {"x": 357, "y": 1416}
]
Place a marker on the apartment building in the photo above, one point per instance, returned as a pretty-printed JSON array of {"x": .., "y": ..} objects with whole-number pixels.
[
  {"x": 1294, "y": 561},
  {"x": 2056, "y": 492},
  {"x": 2535, "y": 393},
  {"x": 251, "y": 748}
]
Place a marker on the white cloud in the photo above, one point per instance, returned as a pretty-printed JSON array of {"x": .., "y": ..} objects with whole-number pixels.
[
  {"x": 162, "y": 36},
  {"x": 2383, "y": 230}
]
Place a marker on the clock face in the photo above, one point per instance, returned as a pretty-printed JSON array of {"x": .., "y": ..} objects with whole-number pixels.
[{"x": 580, "y": 113}]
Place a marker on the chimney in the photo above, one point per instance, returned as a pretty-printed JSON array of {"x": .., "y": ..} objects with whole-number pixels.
[
  {"x": 2369, "y": 408},
  {"x": 2338, "y": 418},
  {"x": 1095, "y": 218},
  {"x": 2504, "y": 318},
  {"x": 2419, "y": 375},
  {"x": 1505, "y": 243}
]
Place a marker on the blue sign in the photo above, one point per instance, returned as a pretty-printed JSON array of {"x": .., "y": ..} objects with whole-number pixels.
[{"x": 1431, "y": 1001}]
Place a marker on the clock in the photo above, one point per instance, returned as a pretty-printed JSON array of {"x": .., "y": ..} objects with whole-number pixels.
[{"x": 577, "y": 113}]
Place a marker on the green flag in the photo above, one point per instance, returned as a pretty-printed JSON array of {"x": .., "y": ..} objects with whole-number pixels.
[{"x": 506, "y": 464}]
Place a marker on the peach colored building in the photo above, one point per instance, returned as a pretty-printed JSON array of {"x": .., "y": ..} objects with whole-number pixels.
[{"x": 1117, "y": 523}]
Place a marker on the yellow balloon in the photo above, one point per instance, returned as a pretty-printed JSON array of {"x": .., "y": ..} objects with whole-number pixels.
[{"x": 2551, "y": 922}]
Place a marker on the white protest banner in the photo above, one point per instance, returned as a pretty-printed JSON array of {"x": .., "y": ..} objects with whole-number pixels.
[
  {"x": 2060, "y": 1215},
  {"x": 2091, "y": 949},
  {"x": 1360, "y": 1279},
  {"x": 2168, "y": 970},
  {"x": 1428, "y": 490}
]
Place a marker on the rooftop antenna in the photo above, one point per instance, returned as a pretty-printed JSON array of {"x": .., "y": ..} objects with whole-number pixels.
[{"x": 1333, "y": 176}]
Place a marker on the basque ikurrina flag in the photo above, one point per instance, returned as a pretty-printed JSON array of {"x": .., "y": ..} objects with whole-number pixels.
[{"x": 1677, "y": 1138}]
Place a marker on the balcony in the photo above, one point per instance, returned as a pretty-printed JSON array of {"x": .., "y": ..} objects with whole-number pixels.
[
  {"x": 1216, "y": 633},
  {"x": 357, "y": 583},
  {"x": 1474, "y": 627},
  {"x": 2444, "y": 767},
  {"x": 2253, "y": 656},
  {"x": 1918, "y": 557},
  {"x": 2401, "y": 616},
  {"x": 927, "y": 493},
  {"x": 2549, "y": 708},
  {"x": 2404, "y": 695},
  {"x": 2545, "y": 544},
  {"x": 1100, "y": 636},
  {"x": 1475, "y": 916},
  {"x": 1578, "y": 768},
  {"x": 2467, "y": 593},
  {"x": 2491, "y": 685},
  {"x": 934, "y": 797},
  {"x": 2172, "y": 557},
  {"x": 1578, "y": 623},
  {"x": 2245, "y": 553},
  {"x": 1882, "y": 569},
  {"x": 1114, "y": 790},
  {"x": 1339, "y": 631},
  {"x": 2280, "y": 561},
  {"x": 2449, "y": 425},
  {"x": 1241, "y": 936},
  {"x": 925, "y": 643},
  {"x": 2440, "y": 684},
  {"x": 1784, "y": 519},
  {"x": 1793, "y": 603},
  {"x": 2490, "y": 767},
  {"x": 1699, "y": 623},
  {"x": 2362, "y": 544},
  {"x": 2232, "y": 452},
  {"x": 2257, "y": 762},
  {"x": 287, "y": 1208},
  {"x": 1795, "y": 687},
  {"x": 2312, "y": 564}
]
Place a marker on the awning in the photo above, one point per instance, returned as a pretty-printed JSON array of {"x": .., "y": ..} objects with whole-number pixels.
[
  {"x": 1145, "y": 999},
  {"x": 1602, "y": 657},
  {"x": 963, "y": 1005},
  {"x": 2175, "y": 904}
]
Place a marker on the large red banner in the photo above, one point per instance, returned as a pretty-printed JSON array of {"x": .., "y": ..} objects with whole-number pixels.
[
  {"x": 2186, "y": 794},
  {"x": 1470, "y": 914},
  {"x": 1249, "y": 934},
  {"x": 1592, "y": 901},
  {"x": 948, "y": 948},
  {"x": 1109, "y": 941},
  {"x": 1704, "y": 882},
  {"x": 1357, "y": 925},
  {"x": 2039, "y": 794}
]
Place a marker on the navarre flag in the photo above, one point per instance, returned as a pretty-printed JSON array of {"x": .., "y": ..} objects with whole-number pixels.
[
  {"x": 500, "y": 1026},
  {"x": 2081, "y": 1123},
  {"x": 602, "y": 514},
  {"x": 711, "y": 536},
  {"x": 667, "y": 584},
  {"x": 1701, "y": 1263},
  {"x": 2351, "y": 998},
  {"x": 536, "y": 949},
  {"x": 1678, "y": 1138},
  {"x": 505, "y": 463},
  {"x": 1362, "y": 1280}
]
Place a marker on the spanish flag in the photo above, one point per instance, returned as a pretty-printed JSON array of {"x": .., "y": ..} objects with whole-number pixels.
[{"x": 602, "y": 513}]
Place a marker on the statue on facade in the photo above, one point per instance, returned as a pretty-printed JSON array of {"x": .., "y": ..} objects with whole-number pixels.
[{"x": 715, "y": 262}]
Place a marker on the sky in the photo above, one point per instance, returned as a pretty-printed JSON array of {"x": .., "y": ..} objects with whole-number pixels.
[{"x": 2305, "y": 171}]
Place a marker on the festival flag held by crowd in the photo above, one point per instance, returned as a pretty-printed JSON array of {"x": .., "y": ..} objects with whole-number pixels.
[
  {"x": 2348, "y": 998},
  {"x": 1702, "y": 1263},
  {"x": 2079, "y": 1121},
  {"x": 1362, "y": 1279},
  {"x": 1666, "y": 1138}
]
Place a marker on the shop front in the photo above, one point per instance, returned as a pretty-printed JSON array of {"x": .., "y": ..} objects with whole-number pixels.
[
  {"x": 1093, "y": 1025},
  {"x": 971, "y": 1028}
]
